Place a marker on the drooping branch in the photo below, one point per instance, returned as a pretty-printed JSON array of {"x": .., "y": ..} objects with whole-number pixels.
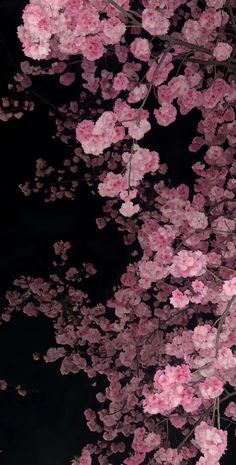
[
  {"x": 231, "y": 14},
  {"x": 222, "y": 320},
  {"x": 229, "y": 64}
]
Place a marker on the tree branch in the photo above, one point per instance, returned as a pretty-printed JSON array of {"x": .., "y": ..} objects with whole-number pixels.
[
  {"x": 222, "y": 320},
  {"x": 231, "y": 14}
]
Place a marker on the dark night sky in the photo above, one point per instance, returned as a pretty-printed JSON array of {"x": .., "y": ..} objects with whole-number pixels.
[{"x": 47, "y": 427}]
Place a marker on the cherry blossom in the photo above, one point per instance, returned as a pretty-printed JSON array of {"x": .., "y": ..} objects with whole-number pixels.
[
  {"x": 222, "y": 51},
  {"x": 165, "y": 339}
]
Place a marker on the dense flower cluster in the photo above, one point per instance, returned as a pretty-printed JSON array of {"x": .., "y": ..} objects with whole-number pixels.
[
  {"x": 165, "y": 340},
  {"x": 211, "y": 441}
]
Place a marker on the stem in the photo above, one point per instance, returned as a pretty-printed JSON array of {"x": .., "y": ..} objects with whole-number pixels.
[
  {"x": 124, "y": 12},
  {"x": 214, "y": 274},
  {"x": 228, "y": 420},
  {"x": 214, "y": 412},
  {"x": 130, "y": 164},
  {"x": 172, "y": 41},
  {"x": 232, "y": 394},
  {"x": 183, "y": 310},
  {"x": 153, "y": 80},
  {"x": 222, "y": 320},
  {"x": 194, "y": 426},
  {"x": 218, "y": 412},
  {"x": 231, "y": 14},
  {"x": 167, "y": 431},
  {"x": 226, "y": 64},
  {"x": 44, "y": 100},
  {"x": 227, "y": 268}
]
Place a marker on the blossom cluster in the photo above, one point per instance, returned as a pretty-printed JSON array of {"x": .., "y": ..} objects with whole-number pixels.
[{"x": 165, "y": 340}]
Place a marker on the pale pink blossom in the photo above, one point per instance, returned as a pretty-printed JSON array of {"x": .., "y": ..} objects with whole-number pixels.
[
  {"x": 229, "y": 287},
  {"x": 129, "y": 209},
  {"x": 113, "y": 29},
  {"x": 192, "y": 31},
  {"x": 166, "y": 114},
  {"x": 154, "y": 22},
  {"x": 211, "y": 441},
  {"x": 217, "y": 4},
  {"x": 141, "y": 49},
  {"x": 211, "y": 388},
  {"x": 178, "y": 299},
  {"x": 121, "y": 82},
  {"x": 226, "y": 359},
  {"x": 230, "y": 411},
  {"x": 92, "y": 48},
  {"x": 222, "y": 51},
  {"x": 187, "y": 263},
  {"x": 204, "y": 337},
  {"x": 112, "y": 185},
  {"x": 67, "y": 79}
]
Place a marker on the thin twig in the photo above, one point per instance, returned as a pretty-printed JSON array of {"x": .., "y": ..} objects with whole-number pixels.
[
  {"x": 153, "y": 79},
  {"x": 124, "y": 12},
  {"x": 214, "y": 274},
  {"x": 231, "y": 14},
  {"x": 229, "y": 396},
  {"x": 218, "y": 412},
  {"x": 222, "y": 320}
]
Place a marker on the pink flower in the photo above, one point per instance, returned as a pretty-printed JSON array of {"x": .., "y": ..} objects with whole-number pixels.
[
  {"x": 187, "y": 264},
  {"x": 84, "y": 130},
  {"x": 112, "y": 185},
  {"x": 161, "y": 237},
  {"x": 138, "y": 93},
  {"x": 92, "y": 48},
  {"x": 121, "y": 82},
  {"x": 178, "y": 299},
  {"x": 168, "y": 456},
  {"x": 3, "y": 385},
  {"x": 226, "y": 359},
  {"x": 84, "y": 459},
  {"x": 37, "y": 21},
  {"x": 192, "y": 31},
  {"x": 137, "y": 129},
  {"x": 204, "y": 337},
  {"x": 222, "y": 51},
  {"x": 229, "y": 287},
  {"x": 144, "y": 441},
  {"x": 67, "y": 79},
  {"x": 141, "y": 49},
  {"x": 172, "y": 375},
  {"x": 217, "y": 4},
  {"x": 198, "y": 286},
  {"x": 230, "y": 411},
  {"x": 154, "y": 22},
  {"x": 94, "y": 138},
  {"x": 58, "y": 67},
  {"x": 214, "y": 94},
  {"x": 211, "y": 441},
  {"x": 166, "y": 114},
  {"x": 61, "y": 249},
  {"x": 88, "y": 21},
  {"x": 206, "y": 461},
  {"x": 53, "y": 354},
  {"x": 211, "y": 388},
  {"x": 178, "y": 421},
  {"x": 113, "y": 29},
  {"x": 129, "y": 209}
]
